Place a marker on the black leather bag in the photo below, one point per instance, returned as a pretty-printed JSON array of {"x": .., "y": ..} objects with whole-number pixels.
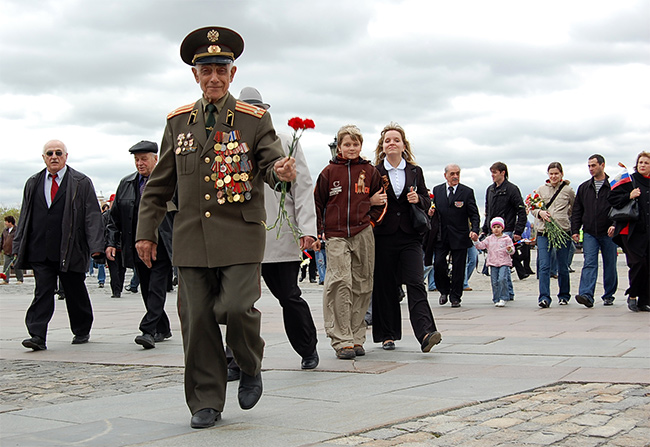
[
  {"x": 420, "y": 219},
  {"x": 627, "y": 213}
]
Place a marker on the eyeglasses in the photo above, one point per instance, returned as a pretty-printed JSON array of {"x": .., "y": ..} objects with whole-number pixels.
[{"x": 58, "y": 153}]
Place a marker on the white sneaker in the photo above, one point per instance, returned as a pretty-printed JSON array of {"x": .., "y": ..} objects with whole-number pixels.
[{"x": 500, "y": 303}]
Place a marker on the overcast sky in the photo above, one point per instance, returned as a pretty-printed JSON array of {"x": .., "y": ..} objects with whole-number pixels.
[{"x": 471, "y": 82}]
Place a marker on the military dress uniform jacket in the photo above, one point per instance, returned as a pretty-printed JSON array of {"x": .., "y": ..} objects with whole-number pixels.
[
  {"x": 206, "y": 233},
  {"x": 82, "y": 228},
  {"x": 455, "y": 219},
  {"x": 123, "y": 220},
  {"x": 300, "y": 206}
]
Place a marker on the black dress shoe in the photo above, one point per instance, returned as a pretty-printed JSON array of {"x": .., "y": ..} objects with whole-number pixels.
[
  {"x": 443, "y": 300},
  {"x": 310, "y": 361},
  {"x": 116, "y": 295},
  {"x": 205, "y": 418},
  {"x": 146, "y": 341},
  {"x": 430, "y": 340},
  {"x": 644, "y": 307},
  {"x": 80, "y": 339},
  {"x": 250, "y": 390},
  {"x": 158, "y": 337},
  {"x": 233, "y": 374},
  {"x": 36, "y": 343},
  {"x": 455, "y": 303}
]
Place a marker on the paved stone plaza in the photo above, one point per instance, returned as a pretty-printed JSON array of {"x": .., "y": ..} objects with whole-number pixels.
[{"x": 517, "y": 375}]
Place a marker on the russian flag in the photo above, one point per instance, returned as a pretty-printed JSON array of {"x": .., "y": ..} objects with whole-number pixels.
[{"x": 621, "y": 178}]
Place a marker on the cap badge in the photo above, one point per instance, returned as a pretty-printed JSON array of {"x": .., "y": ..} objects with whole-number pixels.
[
  {"x": 214, "y": 49},
  {"x": 213, "y": 35}
]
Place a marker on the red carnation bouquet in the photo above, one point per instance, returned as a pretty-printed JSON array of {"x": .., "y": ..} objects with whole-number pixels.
[
  {"x": 299, "y": 126},
  {"x": 557, "y": 237}
]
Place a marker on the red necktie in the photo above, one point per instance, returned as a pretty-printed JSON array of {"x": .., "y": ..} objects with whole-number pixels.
[{"x": 55, "y": 187}]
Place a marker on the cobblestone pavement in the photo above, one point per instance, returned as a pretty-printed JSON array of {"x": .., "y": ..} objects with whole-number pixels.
[
  {"x": 25, "y": 384},
  {"x": 566, "y": 414}
]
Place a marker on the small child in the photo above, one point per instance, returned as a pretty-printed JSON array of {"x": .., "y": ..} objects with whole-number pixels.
[
  {"x": 499, "y": 251},
  {"x": 345, "y": 219}
]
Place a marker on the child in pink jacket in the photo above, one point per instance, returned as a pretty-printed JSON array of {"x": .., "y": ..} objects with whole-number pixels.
[{"x": 499, "y": 258}]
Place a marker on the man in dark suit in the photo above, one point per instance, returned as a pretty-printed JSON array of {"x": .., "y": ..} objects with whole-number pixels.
[
  {"x": 457, "y": 210},
  {"x": 218, "y": 153},
  {"x": 121, "y": 234},
  {"x": 60, "y": 227}
]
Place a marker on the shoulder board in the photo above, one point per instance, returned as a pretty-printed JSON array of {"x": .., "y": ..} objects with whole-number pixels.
[
  {"x": 249, "y": 109},
  {"x": 181, "y": 110}
]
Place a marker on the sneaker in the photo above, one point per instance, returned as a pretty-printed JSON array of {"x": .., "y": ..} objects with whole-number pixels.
[
  {"x": 101, "y": 285},
  {"x": 359, "y": 351},
  {"x": 346, "y": 353},
  {"x": 500, "y": 303},
  {"x": 584, "y": 301},
  {"x": 563, "y": 301},
  {"x": 388, "y": 345},
  {"x": 544, "y": 304},
  {"x": 608, "y": 301},
  {"x": 631, "y": 304},
  {"x": 158, "y": 337}
]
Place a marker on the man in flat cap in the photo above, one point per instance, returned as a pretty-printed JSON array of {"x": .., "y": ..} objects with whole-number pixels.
[
  {"x": 121, "y": 242},
  {"x": 59, "y": 229},
  {"x": 217, "y": 152},
  {"x": 282, "y": 258}
]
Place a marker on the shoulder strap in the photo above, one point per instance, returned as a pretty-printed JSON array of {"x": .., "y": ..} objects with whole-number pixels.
[{"x": 548, "y": 205}]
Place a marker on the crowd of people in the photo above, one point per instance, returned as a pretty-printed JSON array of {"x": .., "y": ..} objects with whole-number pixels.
[{"x": 202, "y": 205}]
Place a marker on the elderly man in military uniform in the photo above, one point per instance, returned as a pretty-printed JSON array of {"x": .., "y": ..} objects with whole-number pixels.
[
  {"x": 217, "y": 152},
  {"x": 121, "y": 234}
]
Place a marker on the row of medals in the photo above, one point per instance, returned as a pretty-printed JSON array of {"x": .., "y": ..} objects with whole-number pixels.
[{"x": 231, "y": 170}]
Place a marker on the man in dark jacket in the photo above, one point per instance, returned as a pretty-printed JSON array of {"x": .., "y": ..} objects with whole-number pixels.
[
  {"x": 503, "y": 199},
  {"x": 590, "y": 212},
  {"x": 456, "y": 207},
  {"x": 121, "y": 230},
  {"x": 60, "y": 226}
]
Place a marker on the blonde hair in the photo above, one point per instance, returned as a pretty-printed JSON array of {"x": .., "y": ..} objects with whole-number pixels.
[
  {"x": 348, "y": 130},
  {"x": 379, "y": 151}
]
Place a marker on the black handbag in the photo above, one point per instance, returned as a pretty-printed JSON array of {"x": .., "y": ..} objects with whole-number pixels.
[
  {"x": 627, "y": 213},
  {"x": 419, "y": 217}
]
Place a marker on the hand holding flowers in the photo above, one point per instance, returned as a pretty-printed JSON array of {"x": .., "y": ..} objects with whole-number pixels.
[
  {"x": 285, "y": 171},
  {"x": 557, "y": 237}
]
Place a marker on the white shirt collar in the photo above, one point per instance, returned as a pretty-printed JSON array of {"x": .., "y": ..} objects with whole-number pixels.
[{"x": 401, "y": 165}]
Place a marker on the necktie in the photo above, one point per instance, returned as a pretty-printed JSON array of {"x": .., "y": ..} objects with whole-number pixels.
[
  {"x": 55, "y": 187},
  {"x": 450, "y": 197},
  {"x": 210, "y": 121},
  {"x": 143, "y": 183}
]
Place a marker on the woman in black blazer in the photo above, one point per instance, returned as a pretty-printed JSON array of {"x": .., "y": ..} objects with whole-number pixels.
[{"x": 398, "y": 247}]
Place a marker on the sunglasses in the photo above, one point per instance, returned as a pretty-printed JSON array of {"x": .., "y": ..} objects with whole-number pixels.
[{"x": 58, "y": 153}]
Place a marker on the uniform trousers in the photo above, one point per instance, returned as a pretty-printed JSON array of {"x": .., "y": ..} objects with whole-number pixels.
[
  {"x": 77, "y": 301},
  {"x": 398, "y": 260},
  {"x": 348, "y": 287},
  {"x": 453, "y": 288},
  {"x": 153, "y": 287},
  {"x": 117, "y": 271},
  {"x": 280, "y": 278},
  {"x": 208, "y": 297}
]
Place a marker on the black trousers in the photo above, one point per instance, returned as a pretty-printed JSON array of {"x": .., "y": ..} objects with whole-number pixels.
[
  {"x": 153, "y": 287},
  {"x": 453, "y": 288},
  {"x": 280, "y": 278},
  {"x": 77, "y": 301},
  {"x": 639, "y": 273},
  {"x": 117, "y": 272},
  {"x": 398, "y": 260}
]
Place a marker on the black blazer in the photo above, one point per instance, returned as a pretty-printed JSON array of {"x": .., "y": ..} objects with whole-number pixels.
[
  {"x": 455, "y": 220},
  {"x": 398, "y": 209}
]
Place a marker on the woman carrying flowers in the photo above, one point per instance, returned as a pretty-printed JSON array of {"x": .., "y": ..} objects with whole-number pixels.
[{"x": 557, "y": 199}]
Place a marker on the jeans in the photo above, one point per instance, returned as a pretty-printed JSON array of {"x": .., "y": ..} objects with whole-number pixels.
[
  {"x": 544, "y": 256},
  {"x": 429, "y": 277},
  {"x": 501, "y": 283},
  {"x": 590, "y": 246},
  {"x": 472, "y": 259},
  {"x": 321, "y": 264},
  {"x": 101, "y": 273}
]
